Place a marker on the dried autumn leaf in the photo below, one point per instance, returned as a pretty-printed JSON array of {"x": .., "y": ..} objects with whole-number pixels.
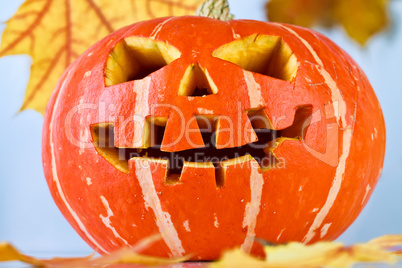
[
  {"x": 300, "y": 12},
  {"x": 292, "y": 255},
  {"x": 362, "y": 253},
  {"x": 122, "y": 256},
  {"x": 386, "y": 241},
  {"x": 238, "y": 258},
  {"x": 299, "y": 255},
  {"x": 322, "y": 254},
  {"x": 9, "y": 253},
  {"x": 398, "y": 253},
  {"x": 55, "y": 32},
  {"x": 360, "y": 18},
  {"x": 131, "y": 255},
  {"x": 127, "y": 256}
]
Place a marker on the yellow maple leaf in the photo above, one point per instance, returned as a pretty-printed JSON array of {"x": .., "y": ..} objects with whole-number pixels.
[
  {"x": 360, "y": 18},
  {"x": 55, "y": 32},
  {"x": 387, "y": 241},
  {"x": 9, "y": 253},
  {"x": 292, "y": 255},
  {"x": 124, "y": 255},
  {"x": 321, "y": 254}
]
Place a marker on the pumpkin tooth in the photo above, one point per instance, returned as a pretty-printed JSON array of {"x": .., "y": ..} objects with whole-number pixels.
[
  {"x": 179, "y": 140},
  {"x": 233, "y": 132},
  {"x": 221, "y": 167},
  {"x": 199, "y": 173},
  {"x": 173, "y": 169}
]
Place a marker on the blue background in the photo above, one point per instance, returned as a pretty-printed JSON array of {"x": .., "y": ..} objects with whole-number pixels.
[{"x": 31, "y": 221}]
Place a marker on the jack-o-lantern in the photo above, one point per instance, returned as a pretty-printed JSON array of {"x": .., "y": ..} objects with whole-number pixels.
[{"x": 212, "y": 134}]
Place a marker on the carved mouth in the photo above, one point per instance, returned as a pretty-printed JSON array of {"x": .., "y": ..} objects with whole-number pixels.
[
  {"x": 209, "y": 153},
  {"x": 261, "y": 150}
]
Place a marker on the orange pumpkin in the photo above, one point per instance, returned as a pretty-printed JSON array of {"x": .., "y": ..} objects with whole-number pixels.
[{"x": 212, "y": 134}]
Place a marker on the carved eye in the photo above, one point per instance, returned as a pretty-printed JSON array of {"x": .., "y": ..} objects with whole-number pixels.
[
  {"x": 137, "y": 57},
  {"x": 264, "y": 54}
]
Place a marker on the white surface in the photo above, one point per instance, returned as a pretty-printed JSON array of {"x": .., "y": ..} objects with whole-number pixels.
[{"x": 30, "y": 219}]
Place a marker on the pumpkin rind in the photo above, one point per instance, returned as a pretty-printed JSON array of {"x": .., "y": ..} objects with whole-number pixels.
[{"x": 312, "y": 196}]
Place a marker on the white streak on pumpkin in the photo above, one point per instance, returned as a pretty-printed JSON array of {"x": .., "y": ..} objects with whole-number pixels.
[
  {"x": 235, "y": 35},
  {"x": 141, "y": 109},
  {"x": 324, "y": 229},
  {"x": 163, "y": 219},
  {"x": 336, "y": 98},
  {"x": 204, "y": 111},
  {"x": 87, "y": 74},
  {"x": 158, "y": 28},
  {"x": 108, "y": 223},
  {"x": 368, "y": 188},
  {"x": 186, "y": 226},
  {"x": 280, "y": 234},
  {"x": 89, "y": 181},
  {"x": 55, "y": 175},
  {"x": 216, "y": 222},
  {"x": 253, "y": 90},
  {"x": 252, "y": 208}
]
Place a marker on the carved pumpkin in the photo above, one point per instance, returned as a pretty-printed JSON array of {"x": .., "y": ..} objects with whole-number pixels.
[{"x": 212, "y": 133}]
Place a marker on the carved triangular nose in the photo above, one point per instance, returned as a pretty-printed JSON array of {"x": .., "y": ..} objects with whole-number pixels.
[{"x": 196, "y": 82}]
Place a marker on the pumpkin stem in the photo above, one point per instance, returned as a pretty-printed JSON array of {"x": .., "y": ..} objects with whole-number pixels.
[{"x": 216, "y": 9}]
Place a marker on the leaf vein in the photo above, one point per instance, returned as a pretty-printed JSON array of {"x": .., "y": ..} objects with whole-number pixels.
[
  {"x": 68, "y": 33},
  {"x": 100, "y": 15},
  {"x": 29, "y": 30}
]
